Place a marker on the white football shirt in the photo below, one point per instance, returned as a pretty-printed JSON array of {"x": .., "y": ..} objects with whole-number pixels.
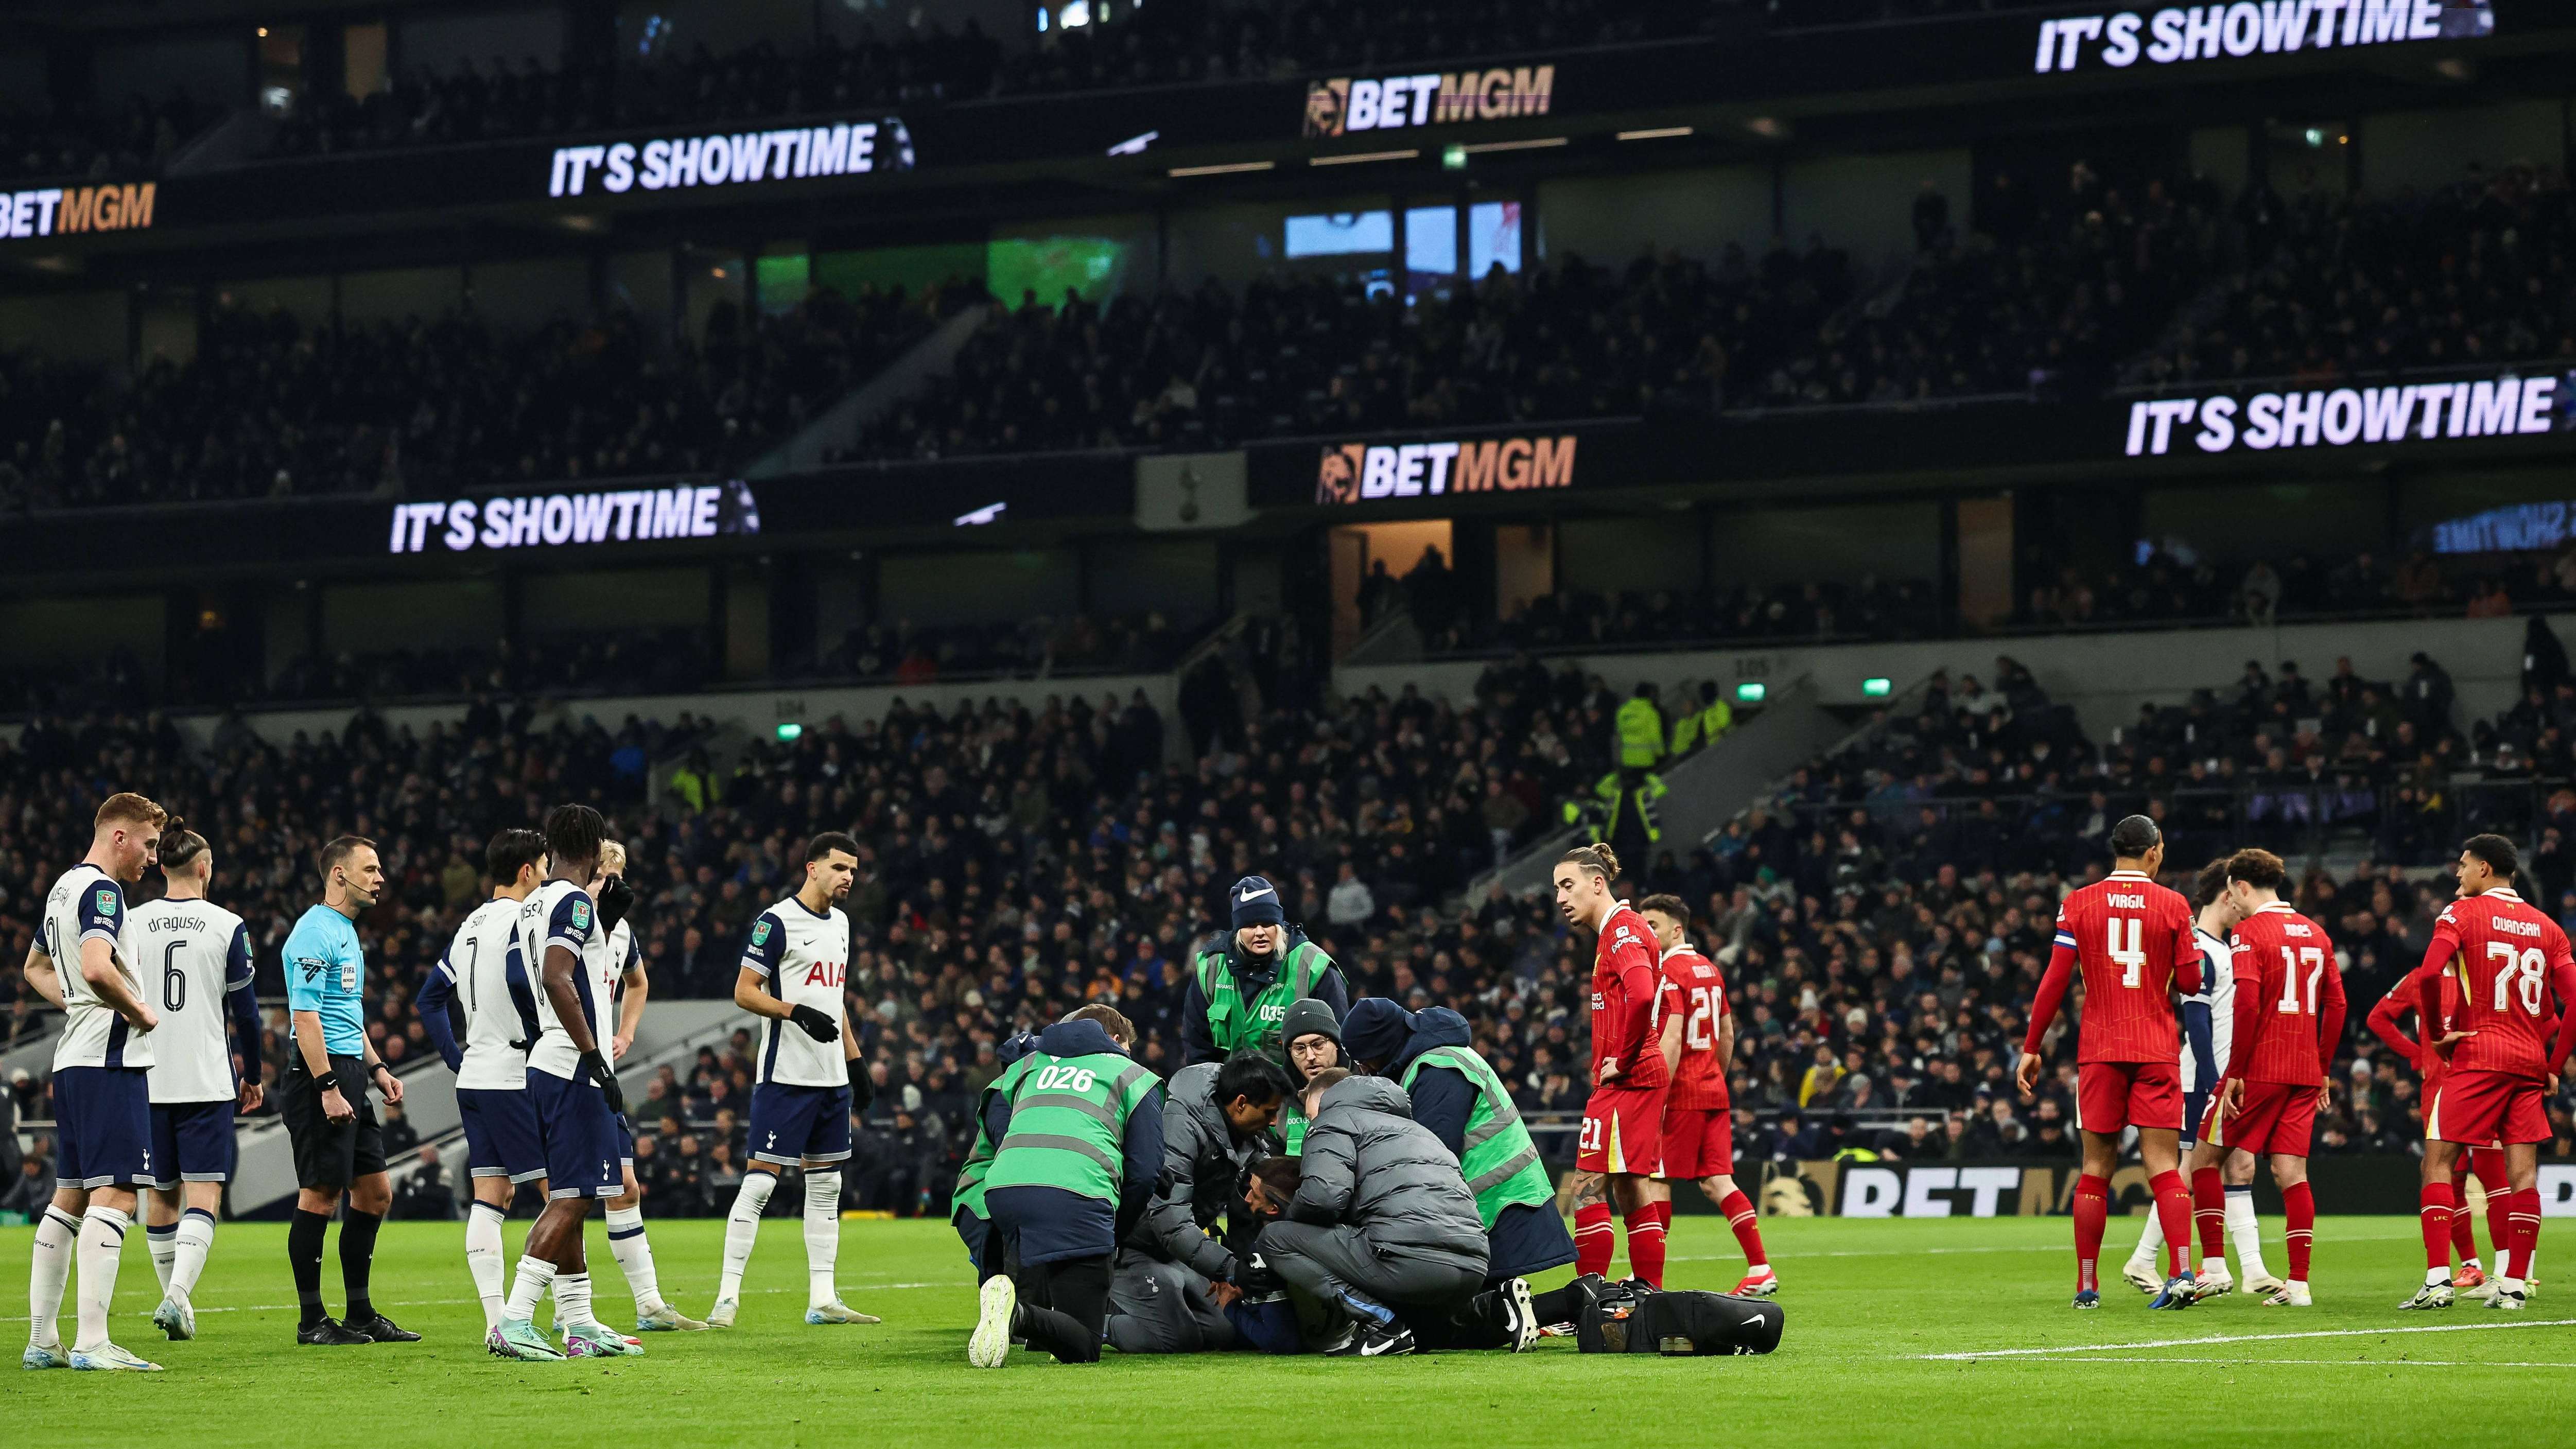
[
  {"x": 198, "y": 953},
  {"x": 560, "y": 914},
  {"x": 804, "y": 958},
  {"x": 478, "y": 964},
  {"x": 86, "y": 904}
]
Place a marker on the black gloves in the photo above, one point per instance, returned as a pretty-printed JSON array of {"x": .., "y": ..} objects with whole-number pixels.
[
  {"x": 616, "y": 898},
  {"x": 597, "y": 1065},
  {"x": 818, "y": 1024},
  {"x": 863, "y": 1092}
]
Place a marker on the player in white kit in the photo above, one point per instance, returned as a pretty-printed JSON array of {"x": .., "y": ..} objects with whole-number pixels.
[
  {"x": 199, "y": 954},
  {"x": 484, "y": 974},
  {"x": 625, "y": 984},
  {"x": 793, "y": 967},
  {"x": 83, "y": 962}
]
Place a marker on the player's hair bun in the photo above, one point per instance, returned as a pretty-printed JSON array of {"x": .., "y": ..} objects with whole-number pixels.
[{"x": 1594, "y": 857}]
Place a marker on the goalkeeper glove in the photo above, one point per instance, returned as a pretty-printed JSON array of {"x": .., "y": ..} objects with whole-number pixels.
[
  {"x": 817, "y": 1024},
  {"x": 616, "y": 898},
  {"x": 597, "y": 1066}
]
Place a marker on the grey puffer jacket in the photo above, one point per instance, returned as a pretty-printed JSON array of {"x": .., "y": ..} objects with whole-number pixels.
[
  {"x": 1202, "y": 1163},
  {"x": 1369, "y": 1164}
]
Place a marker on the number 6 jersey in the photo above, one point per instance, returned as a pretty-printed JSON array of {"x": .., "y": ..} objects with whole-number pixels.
[
  {"x": 2133, "y": 940},
  {"x": 804, "y": 958},
  {"x": 2509, "y": 960}
]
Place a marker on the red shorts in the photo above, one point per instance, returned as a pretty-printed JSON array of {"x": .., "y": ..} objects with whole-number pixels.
[
  {"x": 1623, "y": 1131},
  {"x": 2481, "y": 1109},
  {"x": 2112, "y": 1095},
  {"x": 2277, "y": 1118},
  {"x": 1698, "y": 1144}
]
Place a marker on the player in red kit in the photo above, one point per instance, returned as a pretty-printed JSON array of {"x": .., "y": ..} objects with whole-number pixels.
[
  {"x": 1698, "y": 1045},
  {"x": 2441, "y": 1281},
  {"x": 2132, "y": 939},
  {"x": 2510, "y": 960},
  {"x": 1621, "y": 1148},
  {"x": 2289, "y": 1018}
]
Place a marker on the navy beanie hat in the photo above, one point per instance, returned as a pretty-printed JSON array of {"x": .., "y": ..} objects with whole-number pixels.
[{"x": 1256, "y": 903}]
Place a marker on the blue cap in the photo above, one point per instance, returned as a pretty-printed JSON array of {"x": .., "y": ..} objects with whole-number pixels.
[
  {"x": 1256, "y": 903},
  {"x": 1376, "y": 1030}
]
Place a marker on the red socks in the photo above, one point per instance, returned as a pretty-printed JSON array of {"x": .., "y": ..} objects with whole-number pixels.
[
  {"x": 2092, "y": 1208},
  {"x": 2174, "y": 1210},
  {"x": 2488, "y": 1164},
  {"x": 2299, "y": 1212},
  {"x": 2209, "y": 1211},
  {"x": 1646, "y": 1242},
  {"x": 1594, "y": 1238},
  {"x": 2522, "y": 1226},
  {"x": 2439, "y": 1216},
  {"x": 1748, "y": 1229},
  {"x": 2464, "y": 1243}
]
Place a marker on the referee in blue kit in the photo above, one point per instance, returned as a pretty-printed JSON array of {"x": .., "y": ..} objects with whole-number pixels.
[{"x": 339, "y": 1146}]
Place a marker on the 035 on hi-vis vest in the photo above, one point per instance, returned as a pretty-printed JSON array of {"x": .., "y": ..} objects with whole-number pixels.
[
  {"x": 1235, "y": 1022},
  {"x": 1501, "y": 1161},
  {"x": 1069, "y": 1123}
]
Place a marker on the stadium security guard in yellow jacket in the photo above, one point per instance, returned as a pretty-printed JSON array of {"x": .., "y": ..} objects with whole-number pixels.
[{"x": 1641, "y": 731}]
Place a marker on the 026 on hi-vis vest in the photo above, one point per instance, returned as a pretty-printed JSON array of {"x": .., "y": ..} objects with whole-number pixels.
[
  {"x": 969, "y": 1192},
  {"x": 1235, "y": 1022},
  {"x": 1069, "y": 1123},
  {"x": 1501, "y": 1161}
]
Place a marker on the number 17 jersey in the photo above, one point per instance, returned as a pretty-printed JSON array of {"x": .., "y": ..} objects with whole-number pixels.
[{"x": 2134, "y": 943}]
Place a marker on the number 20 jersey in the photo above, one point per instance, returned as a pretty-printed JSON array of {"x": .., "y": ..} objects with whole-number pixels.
[
  {"x": 804, "y": 957},
  {"x": 1695, "y": 992},
  {"x": 2132, "y": 939}
]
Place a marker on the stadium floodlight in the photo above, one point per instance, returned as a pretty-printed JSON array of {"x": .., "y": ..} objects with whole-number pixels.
[
  {"x": 1750, "y": 693},
  {"x": 1453, "y": 158},
  {"x": 1877, "y": 686},
  {"x": 790, "y": 731}
]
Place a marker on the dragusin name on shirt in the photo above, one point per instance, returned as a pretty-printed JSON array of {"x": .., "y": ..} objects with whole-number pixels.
[{"x": 843, "y": 148}]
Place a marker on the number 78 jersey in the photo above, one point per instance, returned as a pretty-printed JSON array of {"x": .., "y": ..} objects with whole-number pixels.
[
  {"x": 2133, "y": 940},
  {"x": 2509, "y": 959}
]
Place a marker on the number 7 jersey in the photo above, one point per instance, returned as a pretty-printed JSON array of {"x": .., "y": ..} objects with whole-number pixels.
[
  {"x": 2134, "y": 942},
  {"x": 2509, "y": 960}
]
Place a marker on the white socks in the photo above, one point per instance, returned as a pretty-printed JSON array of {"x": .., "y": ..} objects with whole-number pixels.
[
  {"x": 195, "y": 1239},
  {"x": 2245, "y": 1232},
  {"x": 483, "y": 1258},
  {"x": 102, "y": 1239},
  {"x": 742, "y": 1229},
  {"x": 634, "y": 1254},
  {"x": 48, "y": 1269},
  {"x": 535, "y": 1276},
  {"x": 572, "y": 1299},
  {"x": 822, "y": 1236},
  {"x": 163, "y": 1240},
  {"x": 2152, "y": 1241}
]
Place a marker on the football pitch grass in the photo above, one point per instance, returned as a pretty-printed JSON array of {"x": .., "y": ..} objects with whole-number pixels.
[{"x": 1918, "y": 1334}]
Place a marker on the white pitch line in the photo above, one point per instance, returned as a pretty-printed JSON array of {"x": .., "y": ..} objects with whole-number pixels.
[
  {"x": 2000, "y": 1248},
  {"x": 2253, "y": 1338},
  {"x": 454, "y": 1302},
  {"x": 2324, "y": 1362}
]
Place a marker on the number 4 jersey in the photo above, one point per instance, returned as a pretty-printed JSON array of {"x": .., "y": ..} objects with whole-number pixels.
[
  {"x": 2509, "y": 960},
  {"x": 2289, "y": 998},
  {"x": 1696, "y": 994},
  {"x": 2133, "y": 940}
]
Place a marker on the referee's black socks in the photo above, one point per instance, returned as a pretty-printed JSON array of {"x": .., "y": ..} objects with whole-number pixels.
[
  {"x": 304, "y": 1253},
  {"x": 357, "y": 1255}
]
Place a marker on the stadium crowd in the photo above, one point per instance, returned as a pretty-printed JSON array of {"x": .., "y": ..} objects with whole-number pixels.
[
  {"x": 1883, "y": 919},
  {"x": 96, "y": 142},
  {"x": 279, "y": 406}
]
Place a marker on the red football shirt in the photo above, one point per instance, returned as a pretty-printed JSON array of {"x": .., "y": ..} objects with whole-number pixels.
[
  {"x": 2406, "y": 996},
  {"x": 1694, "y": 991},
  {"x": 1626, "y": 1027},
  {"x": 2289, "y": 995},
  {"x": 2509, "y": 960},
  {"x": 2133, "y": 940}
]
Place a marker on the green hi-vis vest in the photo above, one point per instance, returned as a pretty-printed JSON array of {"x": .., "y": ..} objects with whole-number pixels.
[
  {"x": 1501, "y": 1162},
  {"x": 1069, "y": 1124},
  {"x": 1235, "y": 1023},
  {"x": 969, "y": 1192},
  {"x": 1292, "y": 1128}
]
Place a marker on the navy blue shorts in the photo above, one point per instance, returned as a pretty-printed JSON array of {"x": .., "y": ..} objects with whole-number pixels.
[
  {"x": 501, "y": 1136},
  {"x": 580, "y": 1135},
  {"x": 103, "y": 1127},
  {"x": 625, "y": 1141},
  {"x": 192, "y": 1142},
  {"x": 792, "y": 1124}
]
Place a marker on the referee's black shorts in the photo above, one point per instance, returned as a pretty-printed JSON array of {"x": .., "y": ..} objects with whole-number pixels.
[{"x": 330, "y": 1154}]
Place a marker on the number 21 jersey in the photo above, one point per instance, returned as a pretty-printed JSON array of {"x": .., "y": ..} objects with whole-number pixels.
[{"x": 2133, "y": 941}]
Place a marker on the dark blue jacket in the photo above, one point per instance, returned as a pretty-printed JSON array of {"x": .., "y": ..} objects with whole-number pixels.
[
  {"x": 1052, "y": 1224},
  {"x": 1442, "y": 1096}
]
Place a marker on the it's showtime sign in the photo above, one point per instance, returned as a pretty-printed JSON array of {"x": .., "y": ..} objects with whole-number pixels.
[{"x": 1368, "y": 472}]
